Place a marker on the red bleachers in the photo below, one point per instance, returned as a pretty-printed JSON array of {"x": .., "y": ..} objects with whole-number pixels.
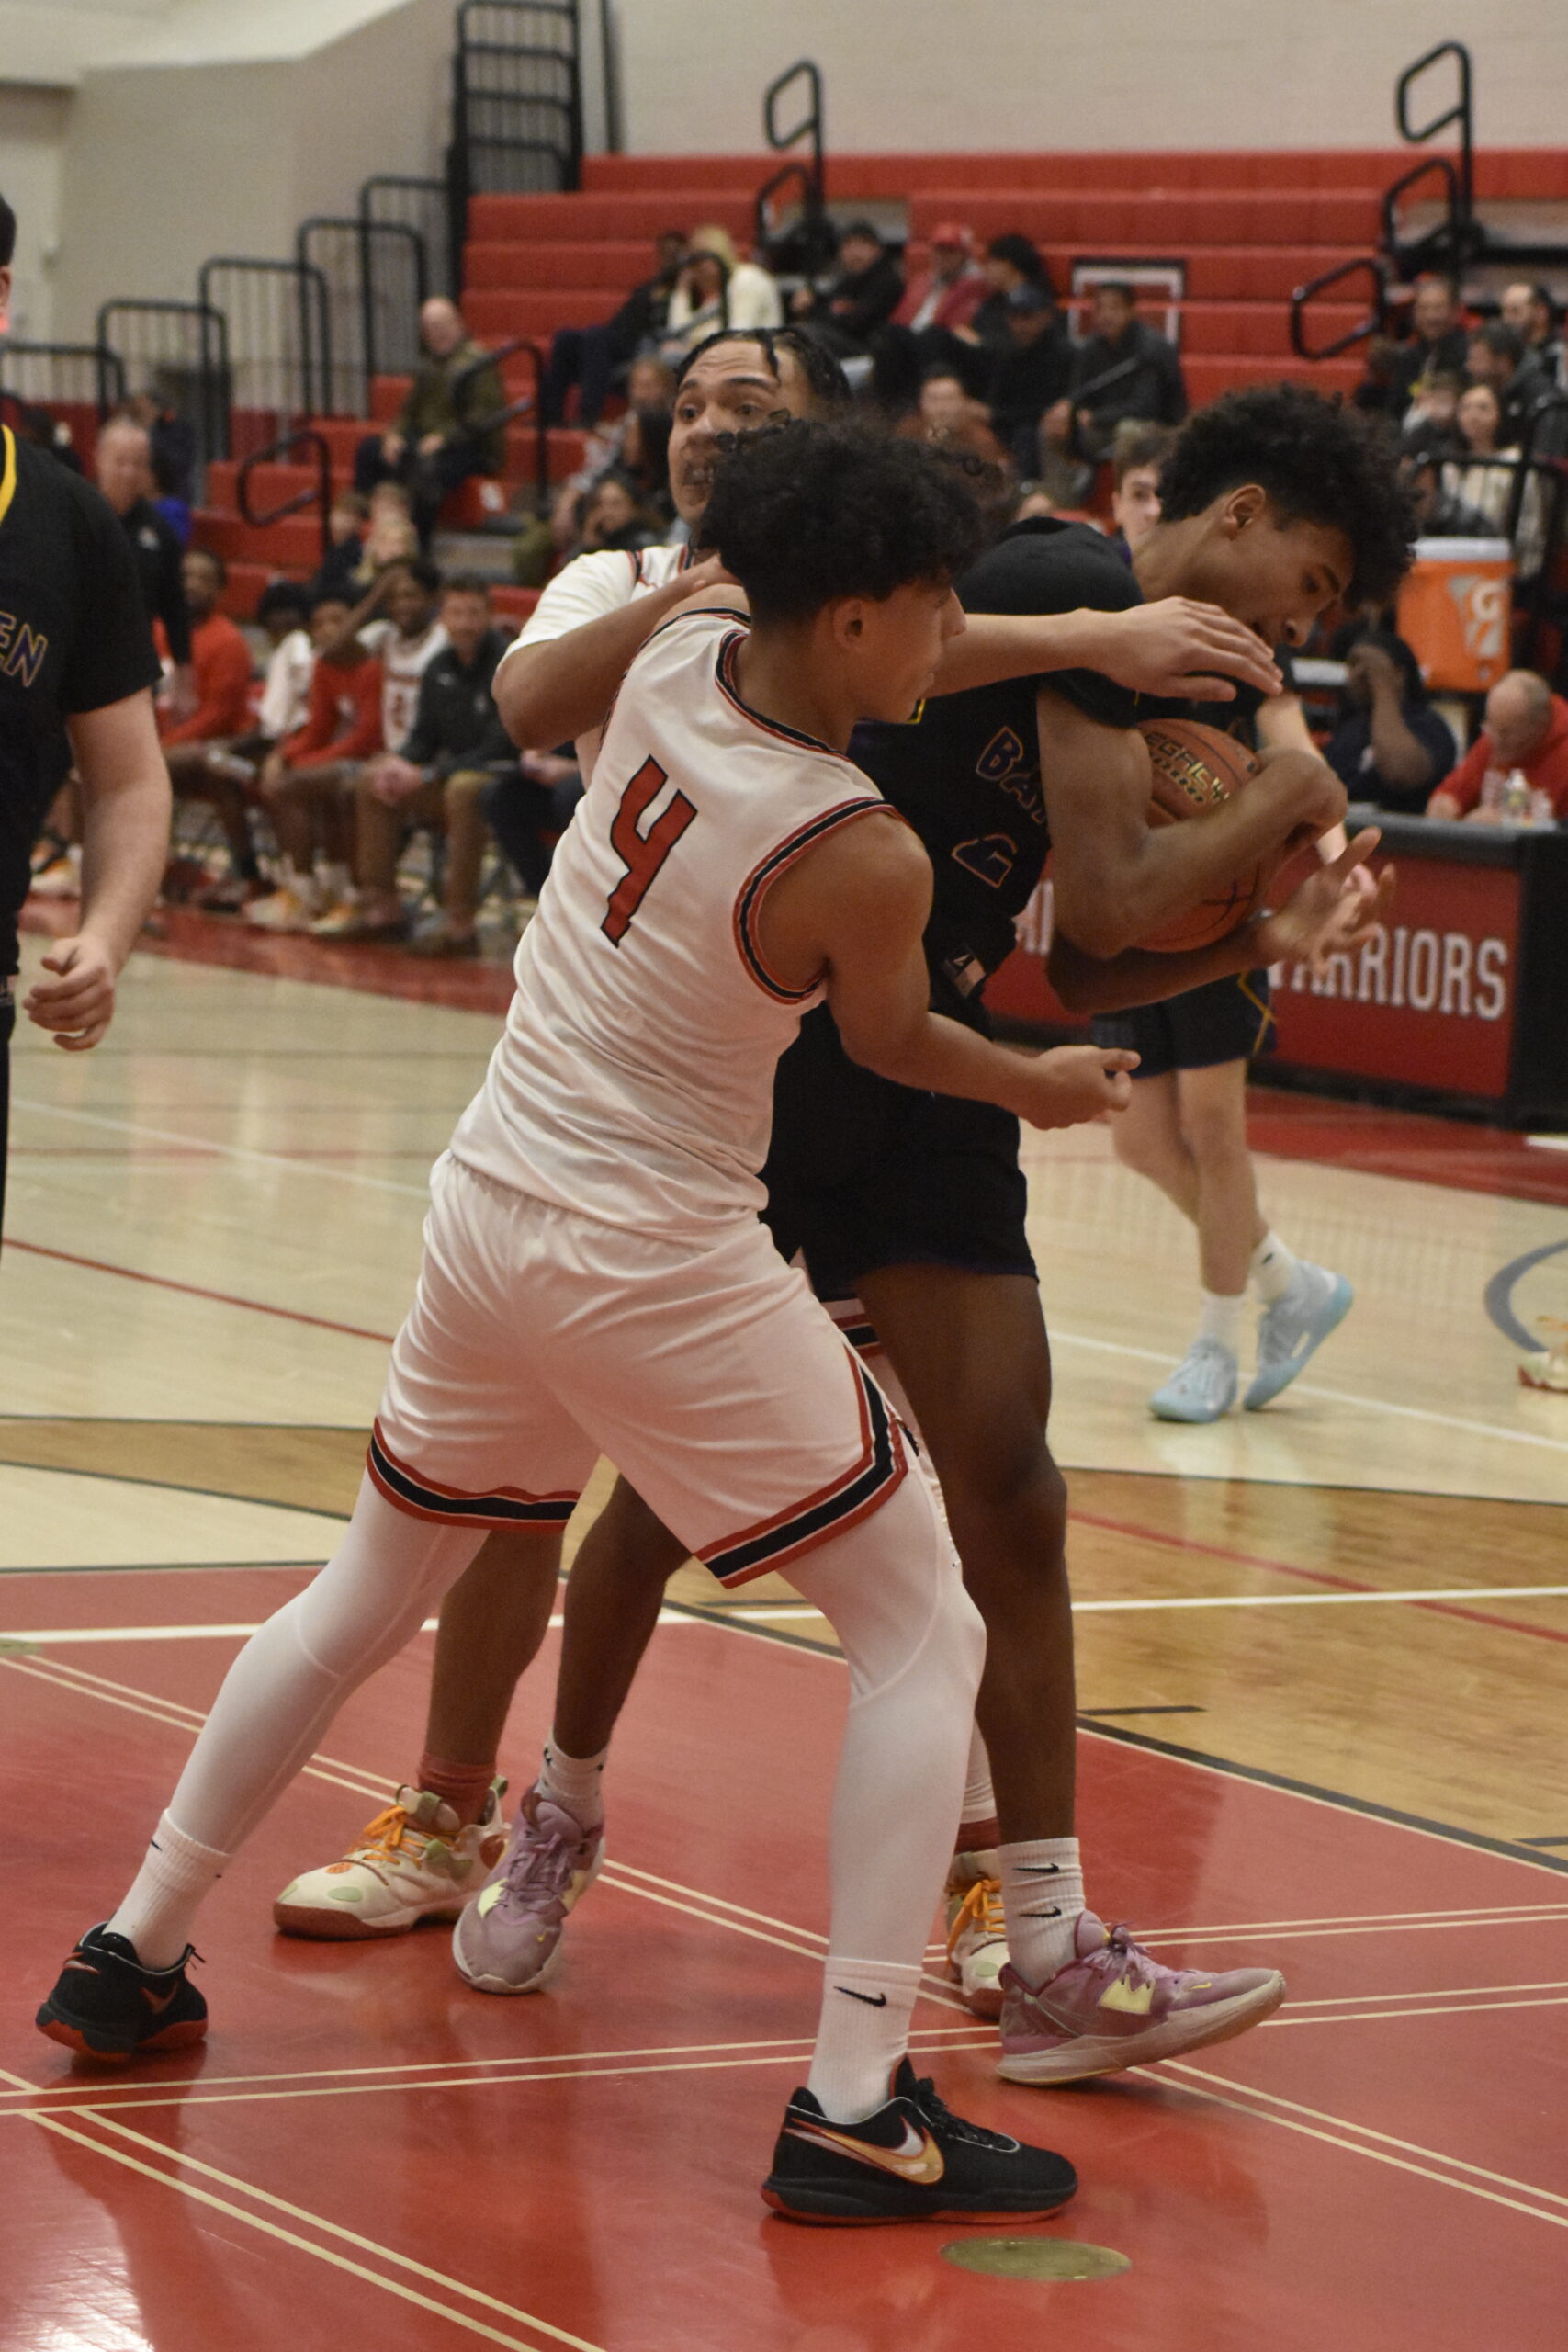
[{"x": 1247, "y": 226}]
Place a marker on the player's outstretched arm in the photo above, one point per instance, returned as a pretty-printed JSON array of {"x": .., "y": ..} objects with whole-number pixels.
[
  {"x": 1332, "y": 911},
  {"x": 1116, "y": 879},
  {"x": 1176, "y": 646},
  {"x": 553, "y": 692},
  {"x": 126, "y": 808},
  {"x": 853, "y": 910}
]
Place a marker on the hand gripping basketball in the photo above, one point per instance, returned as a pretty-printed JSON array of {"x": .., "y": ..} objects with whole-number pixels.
[{"x": 1194, "y": 769}]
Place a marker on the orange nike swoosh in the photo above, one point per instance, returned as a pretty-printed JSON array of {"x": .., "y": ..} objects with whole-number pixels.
[
  {"x": 920, "y": 2158},
  {"x": 157, "y": 2002}
]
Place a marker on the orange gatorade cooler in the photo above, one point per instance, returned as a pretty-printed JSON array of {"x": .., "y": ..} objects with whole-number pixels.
[{"x": 1456, "y": 612}]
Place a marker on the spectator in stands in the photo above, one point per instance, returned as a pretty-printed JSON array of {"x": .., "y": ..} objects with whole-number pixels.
[
  {"x": 1390, "y": 743},
  {"x": 1123, "y": 372},
  {"x": 1432, "y": 422},
  {"x": 609, "y": 516},
  {"x": 934, "y": 313},
  {"x": 717, "y": 290},
  {"x": 347, "y": 524},
  {"x": 1439, "y": 514},
  {"x": 1437, "y": 339},
  {"x": 447, "y": 427},
  {"x": 123, "y": 467},
  {"x": 223, "y": 770},
  {"x": 528, "y": 808},
  {"x": 400, "y": 622},
  {"x": 219, "y": 659},
  {"x": 592, "y": 358},
  {"x": 307, "y": 782},
  {"x": 172, "y": 447},
  {"x": 1531, "y": 312},
  {"x": 973, "y": 350},
  {"x": 949, "y": 418},
  {"x": 1135, "y": 500},
  {"x": 1526, "y": 731},
  {"x": 435, "y": 778},
  {"x": 1498, "y": 357},
  {"x": 849, "y": 311},
  {"x": 1486, "y": 477},
  {"x": 1032, "y": 375}
]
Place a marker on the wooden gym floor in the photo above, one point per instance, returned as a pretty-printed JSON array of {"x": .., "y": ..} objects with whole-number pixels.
[{"x": 1322, "y": 1672}]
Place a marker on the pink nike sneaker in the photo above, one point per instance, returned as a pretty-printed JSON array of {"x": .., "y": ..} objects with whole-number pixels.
[
  {"x": 1113, "y": 2006},
  {"x": 508, "y": 1939}
]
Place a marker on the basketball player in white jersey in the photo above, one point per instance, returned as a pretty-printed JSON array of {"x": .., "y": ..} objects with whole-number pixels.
[{"x": 596, "y": 1280}]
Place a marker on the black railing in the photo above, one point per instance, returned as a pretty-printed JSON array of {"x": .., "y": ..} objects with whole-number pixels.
[
  {"x": 1448, "y": 244},
  {"x": 375, "y": 279},
  {"x": 807, "y": 173},
  {"x": 1305, "y": 296},
  {"x": 526, "y": 404},
  {"x": 62, "y": 374},
  {"x": 319, "y": 495},
  {"x": 610, "y": 76},
  {"x": 280, "y": 341},
  {"x": 179, "y": 353},
  {"x": 1460, "y": 114},
  {"x": 424, "y": 206},
  {"x": 516, "y": 100}
]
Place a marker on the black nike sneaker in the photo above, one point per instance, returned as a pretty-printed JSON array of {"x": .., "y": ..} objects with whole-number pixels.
[
  {"x": 912, "y": 2161},
  {"x": 108, "y": 2007}
]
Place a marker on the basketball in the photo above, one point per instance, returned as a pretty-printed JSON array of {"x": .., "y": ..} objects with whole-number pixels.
[{"x": 1194, "y": 768}]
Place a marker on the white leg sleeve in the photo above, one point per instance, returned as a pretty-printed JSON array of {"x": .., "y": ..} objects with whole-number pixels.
[
  {"x": 892, "y": 1592},
  {"x": 291, "y": 1677}
]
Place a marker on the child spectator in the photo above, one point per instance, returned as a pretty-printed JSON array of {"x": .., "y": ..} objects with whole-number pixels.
[
  {"x": 346, "y": 527},
  {"x": 223, "y": 773},
  {"x": 435, "y": 778},
  {"x": 306, "y": 781},
  {"x": 1135, "y": 501}
]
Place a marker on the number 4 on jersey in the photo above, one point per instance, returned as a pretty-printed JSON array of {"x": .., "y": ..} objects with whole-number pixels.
[{"x": 642, "y": 853}]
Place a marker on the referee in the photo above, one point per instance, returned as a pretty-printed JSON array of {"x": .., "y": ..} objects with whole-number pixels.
[{"x": 77, "y": 670}]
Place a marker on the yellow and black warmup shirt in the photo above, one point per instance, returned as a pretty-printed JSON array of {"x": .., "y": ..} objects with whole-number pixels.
[{"x": 73, "y": 637}]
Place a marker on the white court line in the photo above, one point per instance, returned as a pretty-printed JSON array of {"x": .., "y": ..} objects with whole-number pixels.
[
  {"x": 1549, "y": 1143},
  {"x": 1066, "y": 1339},
  {"x": 1332, "y": 1396},
  {"x": 223, "y": 1151},
  {"x": 694, "y": 1612}
]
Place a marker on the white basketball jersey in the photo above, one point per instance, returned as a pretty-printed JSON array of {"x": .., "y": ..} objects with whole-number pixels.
[
  {"x": 633, "y": 1080},
  {"x": 605, "y": 581}
]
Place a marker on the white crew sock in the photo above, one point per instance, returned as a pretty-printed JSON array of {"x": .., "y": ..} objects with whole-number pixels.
[
  {"x": 574, "y": 1782},
  {"x": 1221, "y": 1319},
  {"x": 1041, "y": 1895},
  {"x": 979, "y": 1797},
  {"x": 864, "y": 2033},
  {"x": 337, "y": 882},
  {"x": 159, "y": 1912},
  {"x": 1272, "y": 1269}
]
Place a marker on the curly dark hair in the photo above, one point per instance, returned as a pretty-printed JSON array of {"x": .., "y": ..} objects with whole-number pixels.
[
  {"x": 1319, "y": 463},
  {"x": 804, "y": 513},
  {"x": 828, "y": 384}
]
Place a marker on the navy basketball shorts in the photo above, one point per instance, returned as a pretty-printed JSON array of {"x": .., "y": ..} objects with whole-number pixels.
[{"x": 1224, "y": 1021}]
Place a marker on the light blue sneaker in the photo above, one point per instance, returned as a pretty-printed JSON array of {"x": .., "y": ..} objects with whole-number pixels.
[
  {"x": 1292, "y": 1330},
  {"x": 1202, "y": 1389}
]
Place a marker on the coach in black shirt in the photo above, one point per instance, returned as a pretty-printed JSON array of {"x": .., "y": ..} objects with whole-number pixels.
[
  {"x": 76, "y": 668},
  {"x": 123, "y": 467}
]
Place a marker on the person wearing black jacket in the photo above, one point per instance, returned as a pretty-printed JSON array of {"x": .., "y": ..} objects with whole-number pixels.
[
  {"x": 123, "y": 465},
  {"x": 1032, "y": 374},
  {"x": 435, "y": 778},
  {"x": 590, "y": 358},
  {"x": 1123, "y": 371},
  {"x": 858, "y": 300}
]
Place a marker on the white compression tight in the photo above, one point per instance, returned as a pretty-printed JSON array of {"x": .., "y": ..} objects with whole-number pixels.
[
  {"x": 892, "y": 1592},
  {"x": 279, "y": 1696}
]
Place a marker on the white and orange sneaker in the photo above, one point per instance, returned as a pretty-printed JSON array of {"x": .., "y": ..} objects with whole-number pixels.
[
  {"x": 414, "y": 1862},
  {"x": 1113, "y": 2004},
  {"x": 286, "y": 909},
  {"x": 976, "y": 1932}
]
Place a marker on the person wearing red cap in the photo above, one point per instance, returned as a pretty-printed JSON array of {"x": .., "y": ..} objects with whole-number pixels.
[{"x": 939, "y": 303}]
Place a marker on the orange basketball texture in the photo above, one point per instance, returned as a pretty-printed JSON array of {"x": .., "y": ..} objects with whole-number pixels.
[{"x": 1194, "y": 768}]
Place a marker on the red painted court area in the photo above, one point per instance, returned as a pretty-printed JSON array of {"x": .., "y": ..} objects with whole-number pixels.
[{"x": 369, "y": 2152}]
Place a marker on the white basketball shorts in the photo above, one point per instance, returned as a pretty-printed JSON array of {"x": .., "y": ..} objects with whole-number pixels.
[{"x": 705, "y": 1370}]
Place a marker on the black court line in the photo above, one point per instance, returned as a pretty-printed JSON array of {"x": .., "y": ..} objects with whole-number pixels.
[
  {"x": 1093, "y": 1715},
  {"x": 1513, "y": 1850},
  {"x": 1542, "y": 1841},
  {"x": 1498, "y": 1296}
]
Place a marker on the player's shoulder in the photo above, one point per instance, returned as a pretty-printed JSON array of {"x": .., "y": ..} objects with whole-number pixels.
[
  {"x": 48, "y": 490},
  {"x": 1049, "y": 564}
]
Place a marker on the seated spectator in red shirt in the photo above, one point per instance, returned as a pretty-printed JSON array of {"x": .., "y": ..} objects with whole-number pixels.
[
  {"x": 219, "y": 658},
  {"x": 221, "y": 769},
  {"x": 308, "y": 783},
  {"x": 1526, "y": 730},
  {"x": 928, "y": 329}
]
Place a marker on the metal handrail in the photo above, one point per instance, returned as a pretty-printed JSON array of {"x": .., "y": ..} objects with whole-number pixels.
[
  {"x": 1307, "y": 294},
  {"x": 365, "y": 231},
  {"x": 810, "y": 169},
  {"x": 422, "y": 186},
  {"x": 520, "y": 407},
  {"x": 1460, "y": 112},
  {"x": 308, "y": 279},
  {"x": 570, "y": 107},
  {"x": 212, "y": 360},
  {"x": 107, "y": 367},
  {"x": 810, "y": 122},
  {"x": 1453, "y": 236},
  {"x": 319, "y": 495},
  {"x": 797, "y": 169}
]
